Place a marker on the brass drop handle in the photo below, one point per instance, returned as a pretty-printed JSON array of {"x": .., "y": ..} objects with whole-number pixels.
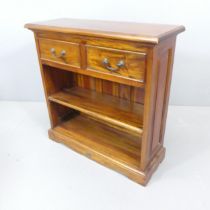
[
  {"x": 107, "y": 65},
  {"x": 61, "y": 55}
]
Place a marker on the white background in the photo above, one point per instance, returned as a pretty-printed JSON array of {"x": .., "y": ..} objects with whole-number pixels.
[{"x": 19, "y": 70}]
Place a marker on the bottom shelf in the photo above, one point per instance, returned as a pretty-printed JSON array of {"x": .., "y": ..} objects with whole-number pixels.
[
  {"x": 121, "y": 147},
  {"x": 108, "y": 146}
]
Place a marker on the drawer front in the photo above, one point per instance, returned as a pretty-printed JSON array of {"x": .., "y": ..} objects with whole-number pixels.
[
  {"x": 60, "y": 52},
  {"x": 117, "y": 62}
]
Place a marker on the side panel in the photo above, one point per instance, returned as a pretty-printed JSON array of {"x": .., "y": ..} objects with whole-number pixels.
[
  {"x": 165, "y": 61},
  {"x": 159, "y": 73}
]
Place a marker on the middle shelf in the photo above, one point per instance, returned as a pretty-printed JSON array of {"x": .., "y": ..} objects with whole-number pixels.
[{"x": 112, "y": 110}]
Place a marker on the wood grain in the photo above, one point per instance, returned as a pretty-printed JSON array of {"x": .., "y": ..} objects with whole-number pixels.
[
  {"x": 142, "y": 32},
  {"x": 72, "y": 51},
  {"x": 134, "y": 94},
  {"x": 95, "y": 74},
  {"x": 103, "y": 107},
  {"x": 119, "y": 145},
  {"x": 134, "y": 62}
]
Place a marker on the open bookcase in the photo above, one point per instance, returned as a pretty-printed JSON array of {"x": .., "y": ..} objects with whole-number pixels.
[{"x": 107, "y": 88}]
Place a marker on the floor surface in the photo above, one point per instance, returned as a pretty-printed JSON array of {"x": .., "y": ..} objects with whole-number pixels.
[{"x": 39, "y": 174}]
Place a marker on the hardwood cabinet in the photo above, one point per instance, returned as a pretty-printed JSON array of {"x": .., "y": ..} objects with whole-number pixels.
[{"x": 107, "y": 88}]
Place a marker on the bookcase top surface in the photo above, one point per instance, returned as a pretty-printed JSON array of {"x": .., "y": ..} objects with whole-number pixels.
[{"x": 142, "y": 32}]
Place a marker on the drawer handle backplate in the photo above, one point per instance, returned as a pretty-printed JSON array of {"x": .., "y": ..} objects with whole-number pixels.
[
  {"x": 61, "y": 55},
  {"x": 107, "y": 65}
]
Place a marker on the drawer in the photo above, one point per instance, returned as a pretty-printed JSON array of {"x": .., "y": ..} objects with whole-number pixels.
[
  {"x": 119, "y": 63},
  {"x": 60, "y": 52}
]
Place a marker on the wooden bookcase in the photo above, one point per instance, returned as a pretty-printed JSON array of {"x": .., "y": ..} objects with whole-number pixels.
[{"x": 107, "y": 88}]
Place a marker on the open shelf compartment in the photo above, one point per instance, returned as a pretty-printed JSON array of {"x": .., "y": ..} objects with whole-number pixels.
[
  {"x": 113, "y": 110},
  {"x": 100, "y": 119},
  {"x": 93, "y": 138}
]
